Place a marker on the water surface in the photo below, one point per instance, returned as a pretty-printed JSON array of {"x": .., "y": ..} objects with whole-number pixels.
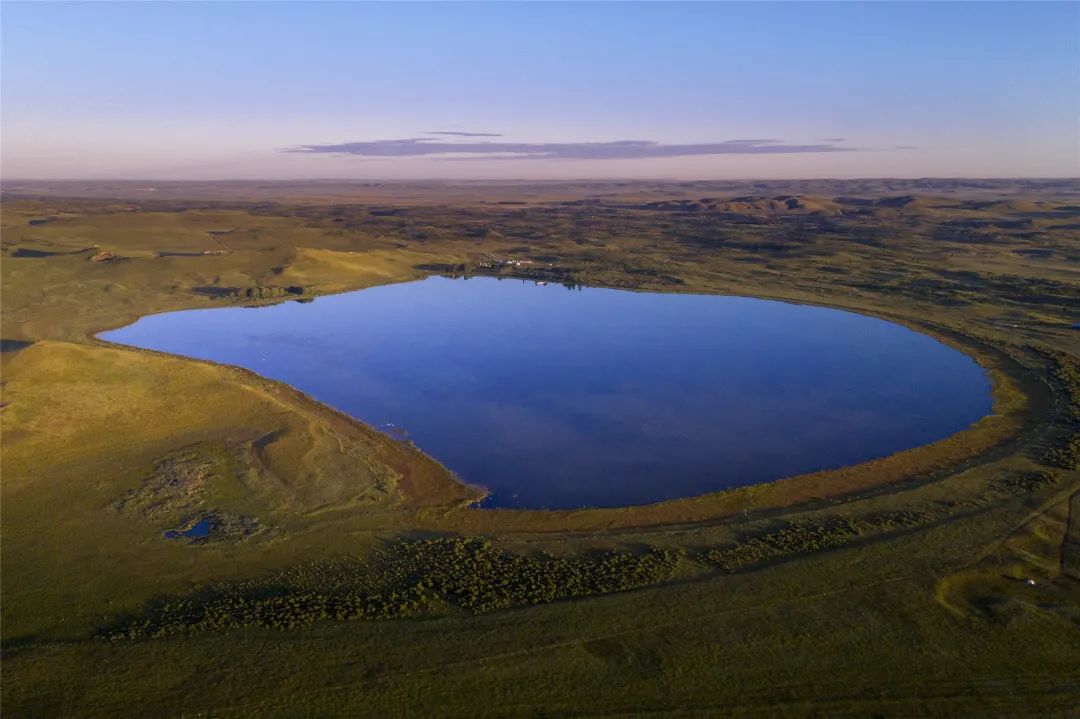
[
  {"x": 198, "y": 530},
  {"x": 560, "y": 398}
]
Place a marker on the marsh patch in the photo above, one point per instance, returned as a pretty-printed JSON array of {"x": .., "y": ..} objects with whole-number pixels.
[
  {"x": 198, "y": 530},
  {"x": 175, "y": 496},
  {"x": 178, "y": 483},
  {"x": 216, "y": 526}
]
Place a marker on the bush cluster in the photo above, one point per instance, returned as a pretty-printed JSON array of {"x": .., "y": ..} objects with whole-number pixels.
[
  {"x": 1028, "y": 482},
  {"x": 1067, "y": 371},
  {"x": 1067, "y": 455},
  {"x": 805, "y": 537},
  {"x": 406, "y": 580},
  {"x": 480, "y": 577}
]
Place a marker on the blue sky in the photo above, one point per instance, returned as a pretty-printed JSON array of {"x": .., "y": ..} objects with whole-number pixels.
[{"x": 283, "y": 90}]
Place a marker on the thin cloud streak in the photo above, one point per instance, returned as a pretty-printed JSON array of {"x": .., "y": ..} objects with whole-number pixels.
[
  {"x": 613, "y": 150},
  {"x": 455, "y": 133}
]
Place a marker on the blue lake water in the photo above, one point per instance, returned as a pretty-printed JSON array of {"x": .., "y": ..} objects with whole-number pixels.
[
  {"x": 560, "y": 398},
  {"x": 200, "y": 530}
]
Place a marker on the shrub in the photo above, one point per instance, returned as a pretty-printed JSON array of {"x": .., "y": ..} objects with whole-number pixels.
[{"x": 405, "y": 580}]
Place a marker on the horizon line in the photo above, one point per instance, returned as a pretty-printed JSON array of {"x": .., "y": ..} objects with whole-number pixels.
[{"x": 4, "y": 181}]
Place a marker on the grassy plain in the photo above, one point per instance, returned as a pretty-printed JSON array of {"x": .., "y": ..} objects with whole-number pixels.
[{"x": 893, "y": 588}]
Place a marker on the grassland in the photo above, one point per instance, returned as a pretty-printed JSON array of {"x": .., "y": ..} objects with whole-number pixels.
[{"x": 343, "y": 580}]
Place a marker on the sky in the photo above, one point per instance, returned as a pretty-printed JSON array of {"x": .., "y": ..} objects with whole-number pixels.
[{"x": 539, "y": 90}]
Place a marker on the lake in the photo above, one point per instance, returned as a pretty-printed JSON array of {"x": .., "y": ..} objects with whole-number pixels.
[{"x": 563, "y": 397}]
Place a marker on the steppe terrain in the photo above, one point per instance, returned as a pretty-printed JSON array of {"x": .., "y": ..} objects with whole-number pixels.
[{"x": 345, "y": 573}]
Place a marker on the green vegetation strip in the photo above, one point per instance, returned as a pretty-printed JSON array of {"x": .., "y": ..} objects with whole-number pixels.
[
  {"x": 1067, "y": 371},
  {"x": 804, "y": 537},
  {"x": 406, "y": 580},
  {"x": 1068, "y": 455}
]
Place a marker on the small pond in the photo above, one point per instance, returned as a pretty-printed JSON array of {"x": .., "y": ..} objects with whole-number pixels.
[
  {"x": 585, "y": 397},
  {"x": 199, "y": 530}
]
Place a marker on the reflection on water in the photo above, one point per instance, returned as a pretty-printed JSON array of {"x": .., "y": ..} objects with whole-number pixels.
[{"x": 556, "y": 398}]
